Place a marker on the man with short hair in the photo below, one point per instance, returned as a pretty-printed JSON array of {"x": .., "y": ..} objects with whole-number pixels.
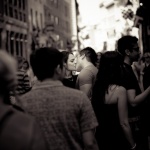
[
  {"x": 65, "y": 115},
  {"x": 129, "y": 49},
  {"x": 86, "y": 62}
]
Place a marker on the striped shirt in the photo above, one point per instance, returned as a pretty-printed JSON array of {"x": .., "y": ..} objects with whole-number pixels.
[{"x": 23, "y": 85}]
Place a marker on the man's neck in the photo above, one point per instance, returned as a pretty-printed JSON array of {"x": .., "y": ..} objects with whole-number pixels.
[
  {"x": 128, "y": 61},
  {"x": 87, "y": 63}
]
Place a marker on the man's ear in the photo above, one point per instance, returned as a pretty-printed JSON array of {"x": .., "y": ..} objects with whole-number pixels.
[
  {"x": 83, "y": 56},
  {"x": 58, "y": 70},
  {"x": 127, "y": 52}
]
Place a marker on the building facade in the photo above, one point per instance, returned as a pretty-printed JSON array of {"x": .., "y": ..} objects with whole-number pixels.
[
  {"x": 58, "y": 18},
  {"x": 14, "y": 27}
]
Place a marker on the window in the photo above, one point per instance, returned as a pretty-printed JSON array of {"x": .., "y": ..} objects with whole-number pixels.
[
  {"x": 20, "y": 16},
  {"x": 21, "y": 44},
  {"x": 7, "y": 41},
  {"x": 31, "y": 13},
  {"x": 10, "y": 11},
  {"x": 11, "y": 2},
  {"x": 15, "y": 2},
  {"x": 20, "y": 3},
  {"x": 6, "y": 9},
  {"x": 16, "y": 14},
  {"x": 23, "y": 4},
  {"x": 56, "y": 20},
  {"x": 52, "y": 18},
  {"x": 24, "y": 17},
  {"x": 12, "y": 43},
  {"x": 41, "y": 18},
  {"x": 17, "y": 43},
  {"x": 36, "y": 18},
  {"x": 56, "y": 3},
  {"x": 66, "y": 11}
]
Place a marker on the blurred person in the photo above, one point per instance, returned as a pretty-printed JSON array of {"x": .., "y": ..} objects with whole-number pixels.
[
  {"x": 129, "y": 49},
  {"x": 24, "y": 83},
  {"x": 146, "y": 70},
  {"x": 86, "y": 65},
  {"x": 145, "y": 77},
  {"x": 18, "y": 130},
  {"x": 137, "y": 69},
  {"x": 65, "y": 115},
  {"x": 69, "y": 79},
  {"x": 109, "y": 101},
  {"x": 98, "y": 58}
]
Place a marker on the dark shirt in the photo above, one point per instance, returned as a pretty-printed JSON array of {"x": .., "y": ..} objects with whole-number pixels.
[
  {"x": 130, "y": 82},
  {"x": 70, "y": 82}
]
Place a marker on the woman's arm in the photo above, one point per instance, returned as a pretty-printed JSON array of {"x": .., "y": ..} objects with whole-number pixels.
[{"x": 123, "y": 115}]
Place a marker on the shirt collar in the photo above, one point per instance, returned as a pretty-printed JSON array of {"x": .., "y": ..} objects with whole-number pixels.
[{"x": 47, "y": 83}]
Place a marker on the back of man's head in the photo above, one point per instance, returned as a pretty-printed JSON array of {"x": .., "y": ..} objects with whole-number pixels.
[
  {"x": 90, "y": 55},
  {"x": 126, "y": 42},
  {"x": 44, "y": 61}
]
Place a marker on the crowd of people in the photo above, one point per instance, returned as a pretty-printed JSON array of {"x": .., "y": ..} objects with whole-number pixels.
[{"x": 103, "y": 107}]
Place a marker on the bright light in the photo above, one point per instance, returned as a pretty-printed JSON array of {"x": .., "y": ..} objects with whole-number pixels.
[{"x": 141, "y": 4}]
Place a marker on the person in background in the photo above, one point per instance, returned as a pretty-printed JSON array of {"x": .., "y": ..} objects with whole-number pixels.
[
  {"x": 145, "y": 77},
  {"x": 129, "y": 49},
  {"x": 18, "y": 130},
  {"x": 109, "y": 101},
  {"x": 69, "y": 79},
  {"x": 98, "y": 59},
  {"x": 86, "y": 65},
  {"x": 24, "y": 84},
  {"x": 65, "y": 115}
]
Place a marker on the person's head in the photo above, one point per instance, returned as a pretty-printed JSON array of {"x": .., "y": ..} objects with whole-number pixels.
[
  {"x": 98, "y": 59},
  {"x": 128, "y": 47},
  {"x": 47, "y": 63},
  {"x": 8, "y": 68},
  {"x": 109, "y": 71},
  {"x": 69, "y": 59},
  {"x": 20, "y": 61},
  {"x": 88, "y": 54},
  {"x": 25, "y": 65},
  {"x": 146, "y": 57}
]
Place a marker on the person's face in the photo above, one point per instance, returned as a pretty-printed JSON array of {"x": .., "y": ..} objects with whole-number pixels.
[
  {"x": 70, "y": 63},
  {"x": 135, "y": 54},
  {"x": 147, "y": 59},
  {"x": 78, "y": 62},
  {"x": 25, "y": 66}
]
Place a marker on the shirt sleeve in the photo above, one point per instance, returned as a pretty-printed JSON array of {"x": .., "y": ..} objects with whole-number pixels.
[
  {"x": 88, "y": 120},
  {"x": 85, "y": 77}
]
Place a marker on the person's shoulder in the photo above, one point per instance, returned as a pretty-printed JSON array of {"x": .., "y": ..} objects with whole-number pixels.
[
  {"x": 121, "y": 90},
  {"x": 18, "y": 129}
]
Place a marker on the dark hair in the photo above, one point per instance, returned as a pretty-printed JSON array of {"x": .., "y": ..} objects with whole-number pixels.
[
  {"x": 44, "y": 62},
  {"x": 109, "y": 74},
  {"x": 21, "y": 61},
  {"x": 126, "y": 42},
  {"x": 90, "y": 54},
  {"x": 66, "y": 55},
  {"x": 26, "y": 62}
]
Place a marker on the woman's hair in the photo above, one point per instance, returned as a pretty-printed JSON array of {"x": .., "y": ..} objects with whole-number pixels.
[
  {"x": 90, "y": 54},
  {"x": 65, "y": 55},
  {"x": 109, "y": 74}
]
